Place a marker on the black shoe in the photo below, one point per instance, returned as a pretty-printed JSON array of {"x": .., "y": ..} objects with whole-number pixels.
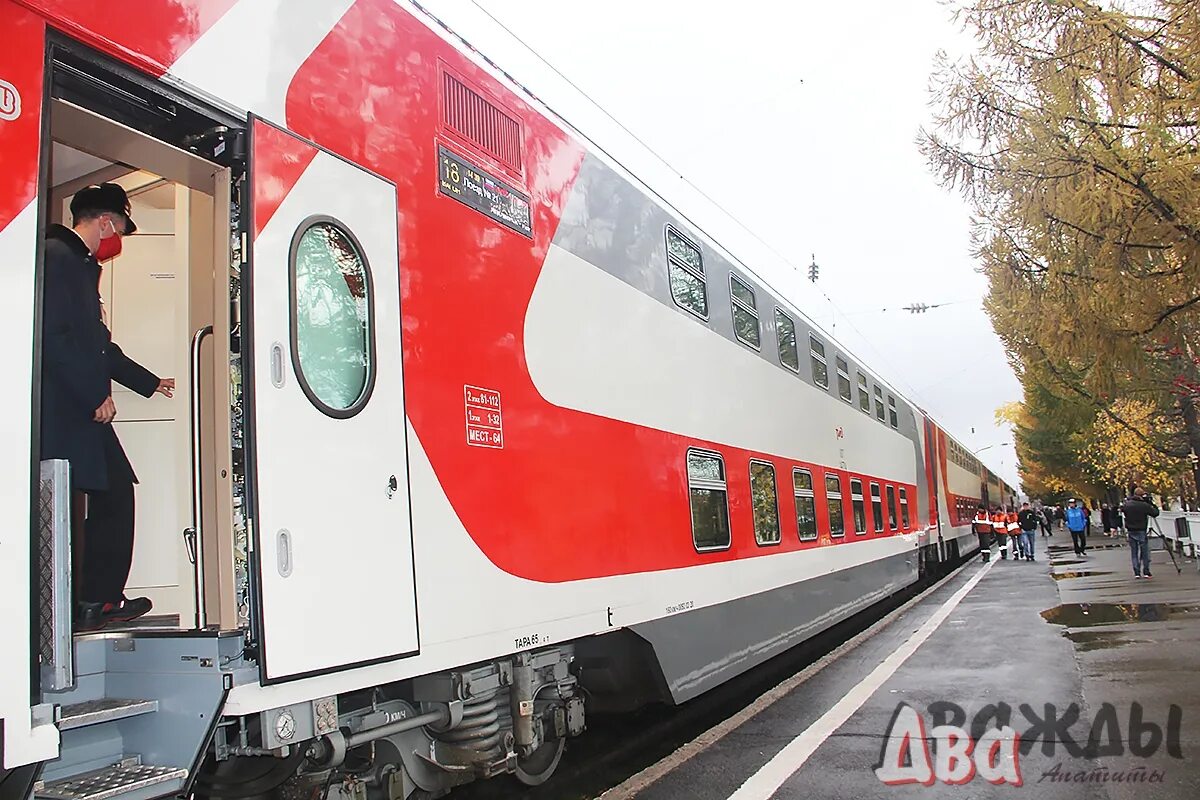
[
  {"x": 127, "y": 610},
  {"x": 89, "y": 617}
]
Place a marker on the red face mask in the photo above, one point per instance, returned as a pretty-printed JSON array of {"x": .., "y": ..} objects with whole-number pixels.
[{"x": 109, "y": 248}]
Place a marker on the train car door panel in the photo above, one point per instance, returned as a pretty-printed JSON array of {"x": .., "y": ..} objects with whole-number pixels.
[{"x": 334, "y": 534}]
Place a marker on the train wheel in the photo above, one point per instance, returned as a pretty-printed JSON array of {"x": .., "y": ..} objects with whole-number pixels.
[{"x": 538, "y": 768}]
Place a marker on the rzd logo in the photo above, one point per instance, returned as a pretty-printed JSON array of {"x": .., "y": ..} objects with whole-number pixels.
[{"x": 10, "y": 101}]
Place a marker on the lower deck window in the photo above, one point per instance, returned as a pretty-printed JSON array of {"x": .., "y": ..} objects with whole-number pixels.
[
  {"x": 876, "y": 507},
  {"x": 765, "y": 501},
  {"x": 709, "y": 498},
  {"x": 860, "y": 512},
  {"x": 806, "y": 504},
  {"x": 904, "y": 508},
  {"x": 837, "y": 514},
  {"x": 891, "y": 496}
]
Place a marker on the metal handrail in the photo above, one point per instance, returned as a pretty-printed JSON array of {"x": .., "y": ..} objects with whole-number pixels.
[{"x": 194, "y": 536}]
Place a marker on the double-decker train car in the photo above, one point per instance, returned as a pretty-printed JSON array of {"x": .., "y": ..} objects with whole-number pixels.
[{"x": 471, "y": 424}]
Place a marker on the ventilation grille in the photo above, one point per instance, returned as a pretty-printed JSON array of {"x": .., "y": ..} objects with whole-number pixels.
[{"x": 468, "y": 114}]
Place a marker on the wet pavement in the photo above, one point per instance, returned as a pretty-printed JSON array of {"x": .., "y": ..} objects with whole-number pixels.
[{"x": 1114, "y": 660}]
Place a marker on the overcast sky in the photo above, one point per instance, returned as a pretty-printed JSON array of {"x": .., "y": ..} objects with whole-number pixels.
[{"x": 800, "y": 120}]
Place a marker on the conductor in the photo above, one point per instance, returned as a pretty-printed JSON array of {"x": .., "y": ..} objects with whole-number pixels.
[{"x": 79, "y": 363}]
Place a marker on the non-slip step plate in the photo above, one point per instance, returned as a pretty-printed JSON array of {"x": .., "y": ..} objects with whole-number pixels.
[
  {"x": 112, "y": 782},
  {"x": 106, "y": 709}
]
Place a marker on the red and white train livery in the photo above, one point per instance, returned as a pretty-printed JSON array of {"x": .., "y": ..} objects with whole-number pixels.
[{"x": 468, "y": 418}]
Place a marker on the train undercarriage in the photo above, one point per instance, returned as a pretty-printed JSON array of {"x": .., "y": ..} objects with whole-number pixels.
[{"x": 414, "y": 739}]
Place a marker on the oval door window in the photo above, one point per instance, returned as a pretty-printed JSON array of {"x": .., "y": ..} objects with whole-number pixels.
[{"x": 333, "y": 342}]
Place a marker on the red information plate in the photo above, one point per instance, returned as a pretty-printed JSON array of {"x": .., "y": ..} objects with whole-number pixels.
[{"x": 485, "y": 425}]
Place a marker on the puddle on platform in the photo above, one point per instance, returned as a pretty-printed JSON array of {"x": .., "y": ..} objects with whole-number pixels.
[
  {"x": 1082, "y": 573},
  {"x": 1086, "y": 641},
  {"x": 1083, "y": 615}
]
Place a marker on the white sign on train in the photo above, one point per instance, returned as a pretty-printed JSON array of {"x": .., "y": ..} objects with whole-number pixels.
[{"x": 485, "y": 422}]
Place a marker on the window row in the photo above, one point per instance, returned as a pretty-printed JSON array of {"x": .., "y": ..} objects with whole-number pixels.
[
  {"x": 963, "y": 457},
  {"x": 820, "y": 374},
  {"x": 708, "y": 492},
  {"x": 964, "y": 509},
  {"x": 689, "y": 288}
]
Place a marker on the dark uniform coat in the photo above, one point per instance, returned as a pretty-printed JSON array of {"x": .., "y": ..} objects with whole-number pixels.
[{"x": 79, "y": 363}]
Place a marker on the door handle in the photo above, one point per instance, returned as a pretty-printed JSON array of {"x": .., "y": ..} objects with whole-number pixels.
[
  {"x": 277, "y": 365},
  {"x": 283, "y": 553},
  {"x": 189, "y": 541}
]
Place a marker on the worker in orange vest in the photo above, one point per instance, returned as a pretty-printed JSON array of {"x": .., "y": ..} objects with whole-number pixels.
[
  {"x": 1000, "y": 529},
  {"x": 982, "y": 526},
  {"x": 1014, "y": 532}
]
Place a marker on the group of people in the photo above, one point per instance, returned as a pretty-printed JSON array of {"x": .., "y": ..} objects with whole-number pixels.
[
  {"x": 1015, "y": 530},
  {"x": 1011, "y": 529}
]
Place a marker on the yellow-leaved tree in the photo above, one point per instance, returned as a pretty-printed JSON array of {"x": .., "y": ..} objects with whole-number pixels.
[
  {"x": 1121, "y": 455},
  {"x": 1074, "y": 134}
]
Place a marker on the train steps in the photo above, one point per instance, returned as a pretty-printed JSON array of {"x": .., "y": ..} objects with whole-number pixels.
[{"x": 141, "y": 713}]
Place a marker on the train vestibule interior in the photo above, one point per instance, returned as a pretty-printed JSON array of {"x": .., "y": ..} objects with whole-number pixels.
[{"x": 170, "y": 282}]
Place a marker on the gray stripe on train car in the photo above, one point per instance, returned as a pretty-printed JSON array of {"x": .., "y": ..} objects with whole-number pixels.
[
  {"x": 638, "y": 783},
  {"x": 698, "y": 650}
]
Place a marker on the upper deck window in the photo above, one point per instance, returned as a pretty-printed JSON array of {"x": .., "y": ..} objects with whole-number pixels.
[
  {"x": 745, "y": 313},
  {"x": 785, "y": 331},
  {"x": 820, "y": 370},
  {"x": 843, "y": 376},
  {"x": 685, "y": 268}
]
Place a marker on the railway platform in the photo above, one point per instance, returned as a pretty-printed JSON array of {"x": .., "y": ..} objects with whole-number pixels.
[{"x": 1063, "y": 678}]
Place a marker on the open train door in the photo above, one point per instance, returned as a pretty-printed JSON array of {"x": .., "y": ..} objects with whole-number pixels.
[{"x": 335, "y": 576}]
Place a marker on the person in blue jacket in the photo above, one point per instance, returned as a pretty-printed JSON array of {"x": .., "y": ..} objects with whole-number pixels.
[
  {"x": 1077, "y": 524},
  {"x": 79, "y": 363}
]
